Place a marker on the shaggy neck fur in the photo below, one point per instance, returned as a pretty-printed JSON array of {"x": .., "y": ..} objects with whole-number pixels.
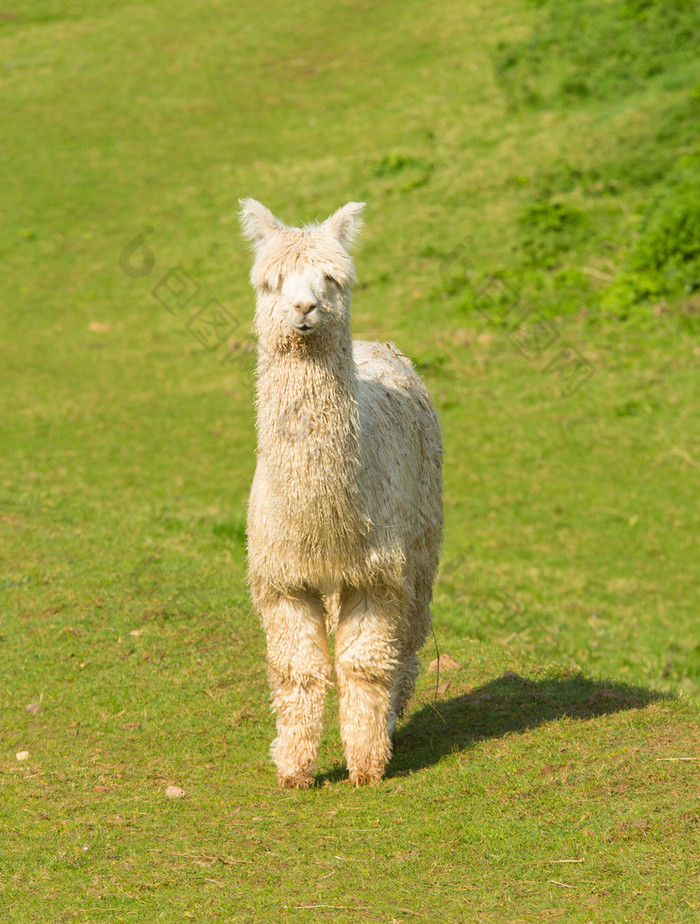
[{"x": 308, "y": 441}]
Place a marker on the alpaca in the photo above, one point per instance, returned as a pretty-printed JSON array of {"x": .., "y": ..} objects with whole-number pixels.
[{"x": 345, "y": 513}]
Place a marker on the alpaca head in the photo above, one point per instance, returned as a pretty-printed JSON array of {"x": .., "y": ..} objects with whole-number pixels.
[{"x": 302, "y": 277}]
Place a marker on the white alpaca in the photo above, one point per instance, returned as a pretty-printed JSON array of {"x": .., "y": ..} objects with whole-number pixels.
[{"x": 345, "y": 514}]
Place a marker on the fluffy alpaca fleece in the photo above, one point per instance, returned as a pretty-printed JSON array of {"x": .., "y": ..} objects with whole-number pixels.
[{"x": 345, "y": 513}]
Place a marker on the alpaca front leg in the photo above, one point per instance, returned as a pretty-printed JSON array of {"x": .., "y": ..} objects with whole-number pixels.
[
  {"x": 299, "y": 672},
  {"x": 365, "y": 665}
]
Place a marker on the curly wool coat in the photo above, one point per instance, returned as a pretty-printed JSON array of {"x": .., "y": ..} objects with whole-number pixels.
[{"x": 345, "y": 515}]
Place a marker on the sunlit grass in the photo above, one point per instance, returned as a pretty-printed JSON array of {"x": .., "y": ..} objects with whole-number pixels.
[{"x": 550, "y": 774}]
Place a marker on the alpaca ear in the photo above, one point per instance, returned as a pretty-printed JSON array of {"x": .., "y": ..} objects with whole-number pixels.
[
  {"x": 257, "y": 221},
  {"x": 346, "y": 223}
]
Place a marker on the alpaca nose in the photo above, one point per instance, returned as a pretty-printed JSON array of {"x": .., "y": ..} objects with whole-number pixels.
[{"x": 305, "y": 307}]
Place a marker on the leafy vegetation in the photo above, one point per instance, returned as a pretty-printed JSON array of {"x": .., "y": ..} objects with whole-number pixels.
[{"x": 602, "y": 51}]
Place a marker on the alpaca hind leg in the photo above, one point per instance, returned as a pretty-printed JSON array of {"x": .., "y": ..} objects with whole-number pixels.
[
  {"x": 299, "y": 672},
  {"x": 415, "y": 632},
  {"x": 365, "y": 666},
  {"x": 405, "y": 683}
]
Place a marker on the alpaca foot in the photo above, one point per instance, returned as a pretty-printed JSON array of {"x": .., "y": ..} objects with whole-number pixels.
[
  {"x": 296, "y": 765},
  {"x": 366, "y": 777},
  {"x": 367, "y": 768},
  {"x": 295, "y": 781}
]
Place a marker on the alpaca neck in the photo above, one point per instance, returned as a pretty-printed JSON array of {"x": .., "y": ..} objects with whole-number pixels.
[
  {"x": 307, "y": 404},
  {"x": 308, "y": 452}
]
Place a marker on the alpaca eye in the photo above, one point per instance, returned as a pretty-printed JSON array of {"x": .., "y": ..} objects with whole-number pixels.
[{"x": 329, "y": 280}]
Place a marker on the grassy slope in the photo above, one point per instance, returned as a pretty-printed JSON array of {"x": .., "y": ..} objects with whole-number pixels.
[{"x": 572, "y": 539}]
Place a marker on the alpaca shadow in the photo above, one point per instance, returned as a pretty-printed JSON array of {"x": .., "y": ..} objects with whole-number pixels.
[{"x": 507, "y": 704}]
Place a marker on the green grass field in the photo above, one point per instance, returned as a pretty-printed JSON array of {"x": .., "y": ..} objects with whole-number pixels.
[{"x": 532, "y": 240}]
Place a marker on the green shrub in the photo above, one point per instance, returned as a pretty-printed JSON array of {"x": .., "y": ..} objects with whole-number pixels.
[
  {"x": 584, "y": 48},
  {"x": 665, "y": 259},
  {"x": 669, "y": 240},
  {"x": 549, "y": 228},
  {"x": 408, "y": 171}
]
